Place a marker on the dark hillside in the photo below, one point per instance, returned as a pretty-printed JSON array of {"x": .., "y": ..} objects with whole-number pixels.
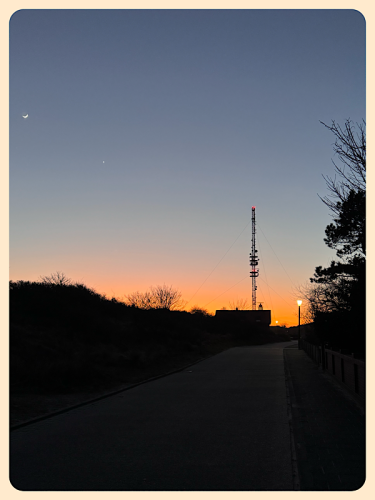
[{"x": 66, "y": 338}]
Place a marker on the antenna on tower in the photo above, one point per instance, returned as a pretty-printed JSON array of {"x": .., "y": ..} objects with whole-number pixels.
[{"x": 254, "y": 273}]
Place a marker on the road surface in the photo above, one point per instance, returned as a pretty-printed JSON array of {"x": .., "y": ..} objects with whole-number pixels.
[{"x": 219, "y": 425}]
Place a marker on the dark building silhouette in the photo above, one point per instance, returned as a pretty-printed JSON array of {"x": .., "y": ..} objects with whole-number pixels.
[{"x": 261, "y": 317}]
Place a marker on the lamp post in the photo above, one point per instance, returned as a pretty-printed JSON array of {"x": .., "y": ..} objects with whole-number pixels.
[{"x": 299, "y": 302}]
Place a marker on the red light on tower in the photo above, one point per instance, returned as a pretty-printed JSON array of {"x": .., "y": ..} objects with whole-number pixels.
[{"x": 253, "y": 208}]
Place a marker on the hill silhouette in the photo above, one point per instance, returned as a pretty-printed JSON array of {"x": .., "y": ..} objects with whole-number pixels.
[{"x": 67, "y": 337}]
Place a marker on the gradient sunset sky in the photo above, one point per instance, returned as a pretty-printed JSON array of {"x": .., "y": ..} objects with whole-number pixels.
[{"x": 151, "y": 134}]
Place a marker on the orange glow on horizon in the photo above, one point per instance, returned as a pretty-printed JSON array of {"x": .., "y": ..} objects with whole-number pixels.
[
  {"x": 280, "y": 311},
  {"x": 214, "y": 294}
]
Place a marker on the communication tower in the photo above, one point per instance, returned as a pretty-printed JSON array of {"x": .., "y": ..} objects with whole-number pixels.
[{"x": 254, "y": 260}]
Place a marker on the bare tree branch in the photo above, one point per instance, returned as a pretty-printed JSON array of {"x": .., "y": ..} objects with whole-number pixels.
[
  {"x": 239, "y": 304},
  {"x": 57, "y": 278},
  {"x": 350, "y": 147},
  {"x": 158, "y": 297}
]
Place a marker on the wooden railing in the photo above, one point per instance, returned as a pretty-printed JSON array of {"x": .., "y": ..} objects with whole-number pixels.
[{"x": 347, "y": 370}]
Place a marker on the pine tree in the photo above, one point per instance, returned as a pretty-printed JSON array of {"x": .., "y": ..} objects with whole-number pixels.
[{"x": 338, "y": 296}]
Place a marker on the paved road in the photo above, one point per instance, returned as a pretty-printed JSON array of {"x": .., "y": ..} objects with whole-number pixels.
[{"x": 219, "y": 425}]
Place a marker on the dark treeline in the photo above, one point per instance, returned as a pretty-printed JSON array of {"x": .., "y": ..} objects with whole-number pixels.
[
  {"x": 66, "y": 337},
  {"x": 337, "y": 294}
]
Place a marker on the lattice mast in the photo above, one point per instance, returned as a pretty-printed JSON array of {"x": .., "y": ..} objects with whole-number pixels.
[{"x": 254, "y": 273}]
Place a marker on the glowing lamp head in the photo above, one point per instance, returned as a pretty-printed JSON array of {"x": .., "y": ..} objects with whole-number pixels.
[
  {"x": 253, "y": 208},
  {"x": 299, "y": 302}
]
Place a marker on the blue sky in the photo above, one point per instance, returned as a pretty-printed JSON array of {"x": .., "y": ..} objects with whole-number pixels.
[{"x": 197, "y": 116}]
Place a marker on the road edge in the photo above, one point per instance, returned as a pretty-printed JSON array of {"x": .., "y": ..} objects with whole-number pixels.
[{"x": 289, "y": 393}]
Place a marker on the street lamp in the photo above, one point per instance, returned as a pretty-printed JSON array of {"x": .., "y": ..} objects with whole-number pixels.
[{"x": 299, "y": 302}]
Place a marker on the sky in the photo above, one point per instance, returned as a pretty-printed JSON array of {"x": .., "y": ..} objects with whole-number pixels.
[{"x": 151, "y": 133}]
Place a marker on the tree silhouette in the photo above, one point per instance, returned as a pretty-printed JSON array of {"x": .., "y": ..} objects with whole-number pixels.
[
  {"x": 158, "y": 297},
  {"x": 350, "y": 147},
  {"x": 347, "y": 198},
  {"x": 339, "y": 289},
  {"x": 199, "y": 310},
  {"x": 57, "y": 278},
  {"x": 239, "y": 304}
]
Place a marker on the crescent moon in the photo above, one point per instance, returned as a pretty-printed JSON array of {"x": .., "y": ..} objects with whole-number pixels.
[{"x": 25, "y": 116}]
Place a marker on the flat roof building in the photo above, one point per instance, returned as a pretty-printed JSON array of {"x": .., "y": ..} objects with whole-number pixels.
[{"x": 261, "y": 317}]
